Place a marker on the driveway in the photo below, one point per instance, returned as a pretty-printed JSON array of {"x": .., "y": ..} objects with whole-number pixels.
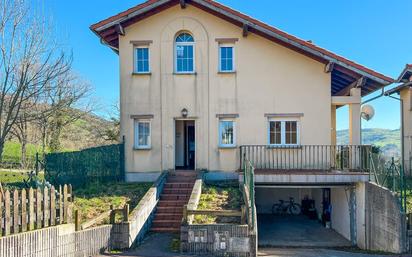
[
  {"x": 300, "y": 252},
  {"x": 296, "y": 231}
]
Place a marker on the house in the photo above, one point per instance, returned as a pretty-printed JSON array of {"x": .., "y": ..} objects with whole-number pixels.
[
  {"x": 205, "y": 87},
  {"x": 405, "y": 93}
]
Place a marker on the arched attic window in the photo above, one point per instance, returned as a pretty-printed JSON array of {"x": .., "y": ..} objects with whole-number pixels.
[{"x": 184, "y": 53}]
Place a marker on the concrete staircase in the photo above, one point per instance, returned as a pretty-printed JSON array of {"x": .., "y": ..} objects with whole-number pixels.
[{"x": 175, "y": 195}]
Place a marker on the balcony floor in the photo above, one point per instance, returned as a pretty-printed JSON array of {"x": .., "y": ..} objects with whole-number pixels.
[{"x": 309, "y": 177}]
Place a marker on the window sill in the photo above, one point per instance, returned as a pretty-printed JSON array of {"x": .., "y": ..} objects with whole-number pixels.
[
  {"x": 184, "y": 73},
  {"x": 227, "y": 147},
  {"x": 226, "y": 72},
  {"x": 141, "y": 73},
  {"x": 142, "y": 148}
]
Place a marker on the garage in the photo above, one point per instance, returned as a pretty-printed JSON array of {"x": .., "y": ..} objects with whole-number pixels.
[{"x": 325, "y": 219}]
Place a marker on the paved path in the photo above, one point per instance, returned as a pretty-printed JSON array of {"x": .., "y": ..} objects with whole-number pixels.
[{"x": 159, "y": 245}]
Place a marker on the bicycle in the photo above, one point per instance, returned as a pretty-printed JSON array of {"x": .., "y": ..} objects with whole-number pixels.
[{"x": 286, "y": 207}]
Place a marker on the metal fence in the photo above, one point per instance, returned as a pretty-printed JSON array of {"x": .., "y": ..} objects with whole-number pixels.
[
  {"x": 308, "y": 157},
  {"x": 249, "y": 185},
  {"x": 98, "y": 164}
]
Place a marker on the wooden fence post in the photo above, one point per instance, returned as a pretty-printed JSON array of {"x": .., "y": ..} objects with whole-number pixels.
[
  {"x": 1, "y": 214},
  {"x": 7, "y": 213},
  {"x": 112, "y": 215},
  {"x": 243, "y": 218},
  {"x": 31, "y": 209},
  {"x": 77, "y": 220},
  {"x": 126, "y": 209},
  {"x": 185, "y": 219},
  {"x": 60, "y": 205},
  {"x": 65, "y": 204},
  {"x": 52, "y": 206},
  {"x": 46, "y": 208},
  {"x": 15, "y": 211},
  {"x": 38, "y": 209},
  {"x": 23, "y": 210}
]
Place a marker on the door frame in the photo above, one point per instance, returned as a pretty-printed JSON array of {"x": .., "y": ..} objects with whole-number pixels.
[{"x": 184, "y": 132}]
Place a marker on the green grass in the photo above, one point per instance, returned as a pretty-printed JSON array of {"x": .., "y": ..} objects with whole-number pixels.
[
  {"x": 219, "y": 197},
  {"x": 14, "y": 179},
  {"x": 95, "y": 199}
]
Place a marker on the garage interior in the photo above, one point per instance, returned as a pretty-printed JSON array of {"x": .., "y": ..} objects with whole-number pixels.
[{"x": 325, "y": 220}]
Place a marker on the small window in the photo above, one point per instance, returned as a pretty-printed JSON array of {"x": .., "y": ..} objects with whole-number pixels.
[
  {"x": 283, "y": 132},
  {"x": 184, "y": 53},
  {"x": 142, "y": 60},
  {"x": 227, "y": 133},
  {"x": 142, "y": 134},
  {"x": 226, "y": 58}
]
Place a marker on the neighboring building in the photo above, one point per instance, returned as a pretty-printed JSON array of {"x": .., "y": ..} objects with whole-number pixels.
[
  {"x": 204, "y": 87},
  {"x": 405, "y": 92}
]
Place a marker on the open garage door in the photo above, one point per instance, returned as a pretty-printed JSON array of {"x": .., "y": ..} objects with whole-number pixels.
[{"x": 326, "y": 219}]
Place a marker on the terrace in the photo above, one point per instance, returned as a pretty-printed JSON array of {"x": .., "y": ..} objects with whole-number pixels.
[{"x": 308, "y": 164}]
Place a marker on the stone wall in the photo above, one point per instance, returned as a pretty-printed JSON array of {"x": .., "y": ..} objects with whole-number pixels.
[
  {"x": 384, "y": 219},
  {"x": 216, "y": 239}
]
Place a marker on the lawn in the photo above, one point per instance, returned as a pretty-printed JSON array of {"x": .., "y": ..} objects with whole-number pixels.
[
  {"x": 95, "y": 199},
  {"x": 91, "y": 200},
  {"x": 219, "y": 197}
]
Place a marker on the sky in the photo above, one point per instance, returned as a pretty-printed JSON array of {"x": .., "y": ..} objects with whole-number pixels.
[{"x": 371, "y": 32}]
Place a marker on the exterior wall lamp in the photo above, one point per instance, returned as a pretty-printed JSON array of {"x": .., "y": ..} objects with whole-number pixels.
[{"x": 184, "y": 112}]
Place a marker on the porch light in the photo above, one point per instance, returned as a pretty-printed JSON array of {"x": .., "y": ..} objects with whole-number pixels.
[{"x": 184, "y": 112}]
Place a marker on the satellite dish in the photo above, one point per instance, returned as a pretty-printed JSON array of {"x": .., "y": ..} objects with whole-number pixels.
[{"x": 367, "y": 112}]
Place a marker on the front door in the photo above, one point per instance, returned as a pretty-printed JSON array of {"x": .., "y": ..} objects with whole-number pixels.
[{"x": 185, "y": 146}]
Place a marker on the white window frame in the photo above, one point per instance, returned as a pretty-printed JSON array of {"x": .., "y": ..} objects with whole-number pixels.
[
  {"x": 136, "y": 59},
  {"x": 283, "y": 131},
  {"x": 221, "y": 145},
  {"x": 233, "y": 58},
  {"x": 193, "y": 44},
  {"x": 136, "y": 134}
]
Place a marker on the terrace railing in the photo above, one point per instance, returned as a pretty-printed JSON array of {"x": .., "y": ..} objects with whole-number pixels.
[{"x": 308, "y": 157}]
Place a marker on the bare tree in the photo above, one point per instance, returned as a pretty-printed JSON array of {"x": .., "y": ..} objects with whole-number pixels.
[{"x": 29, "y": 61}]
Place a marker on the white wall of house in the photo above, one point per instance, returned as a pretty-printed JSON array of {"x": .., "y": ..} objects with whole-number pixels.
[
  {"x": 340, "y": 211},
  {"x": 269, "y": 78}
]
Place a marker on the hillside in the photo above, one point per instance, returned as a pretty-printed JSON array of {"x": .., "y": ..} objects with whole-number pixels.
[{"x": 388, "y": 140}]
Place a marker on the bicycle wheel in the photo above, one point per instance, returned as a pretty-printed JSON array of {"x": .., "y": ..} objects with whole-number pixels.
[
  {"x": 294, "y": 209},
  {"x": 276, "y": 209}
]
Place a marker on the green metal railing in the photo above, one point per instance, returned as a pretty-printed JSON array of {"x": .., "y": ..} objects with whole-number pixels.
[
  {"x": 249, "y": 183},
  {"x": 389, "y": 174}
]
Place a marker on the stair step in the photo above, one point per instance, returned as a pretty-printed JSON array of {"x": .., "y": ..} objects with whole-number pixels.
[
  {"x": 172, "y": 209},
  {"x": 169, "y": 216},
  {"x": 178, "y": 197},
  {"x": 165, "y": 230},
  {"x": 166, "y": 223},
  {"x": 186, "y": 191},
  {"x": 178, "y": 185},
  {"x": 171, "y": 203}
]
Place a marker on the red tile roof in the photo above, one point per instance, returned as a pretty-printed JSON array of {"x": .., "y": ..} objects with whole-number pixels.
[{"x": 124, "y": 15}]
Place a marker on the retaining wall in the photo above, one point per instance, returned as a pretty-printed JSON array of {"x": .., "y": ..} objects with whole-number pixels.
[{"x": 384, "y": 219}]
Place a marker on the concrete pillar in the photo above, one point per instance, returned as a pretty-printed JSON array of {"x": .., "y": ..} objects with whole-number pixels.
[
  {"x": 352, "y": 213},
  {"x": 333, "y": 125},
  {"x": 355, "y": 119}
]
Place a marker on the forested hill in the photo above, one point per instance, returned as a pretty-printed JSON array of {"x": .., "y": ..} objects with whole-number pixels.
[{"x": 388, "y": 140}]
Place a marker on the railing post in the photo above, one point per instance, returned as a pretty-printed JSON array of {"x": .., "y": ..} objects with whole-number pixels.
[
  {"x": 243, "y": 217},
  {"x": 77, "y": 220},
  {"x": 185, "y": 218},
  {"x": 123, "y": 159},
  {"x": 112, "y": 215}
]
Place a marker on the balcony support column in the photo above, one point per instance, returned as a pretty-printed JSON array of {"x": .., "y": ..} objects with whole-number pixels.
[{"x": 355, "y": 118}]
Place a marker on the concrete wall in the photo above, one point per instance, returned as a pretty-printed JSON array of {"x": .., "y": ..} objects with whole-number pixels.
[
  {"x": 385, "y": 223},
  {"x": 269, "y": 78},
  {"x": 266, "y": 197},
  {"x": 340, "y": 211}
]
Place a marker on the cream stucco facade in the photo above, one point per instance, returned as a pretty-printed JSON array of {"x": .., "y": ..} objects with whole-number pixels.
[{"x": 269, "y": 78}]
